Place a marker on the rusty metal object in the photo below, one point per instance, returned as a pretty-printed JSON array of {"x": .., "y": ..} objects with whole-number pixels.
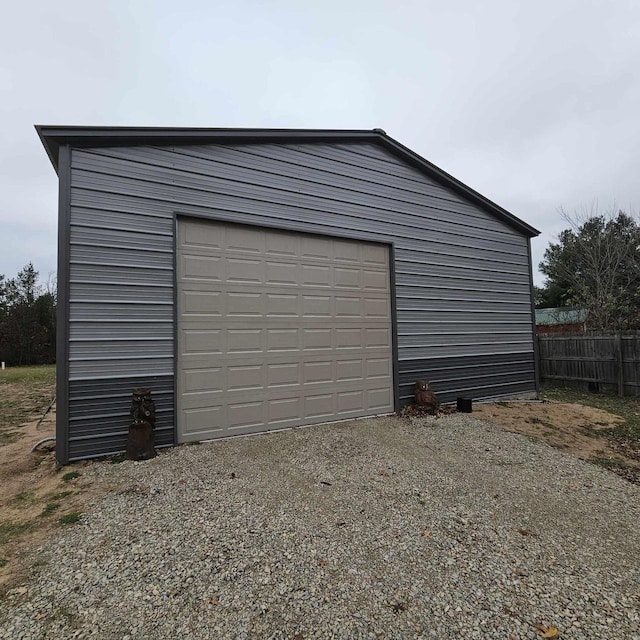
[{"x": 140, "y": 443}]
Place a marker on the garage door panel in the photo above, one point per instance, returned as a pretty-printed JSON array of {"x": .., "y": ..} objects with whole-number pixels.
[
  {"x": 244, "y": 270},
  {"x": 241, "y": 304},
  {"x": 379, "y": 399},
  {"x": 279, "y": 329},
  {"x": 208, "y": 303},
  {"x": 315, "y": 247},
  {"x": 377, "y": 308},
  {"x": 282, "y": 305},
  {"x": 278, "y": 244},
  {"x": 375, "y": 255},
  {"x": 203, "y": 422},
  {"x": 279, "y": 340},
  {"x": 346, "y": 278},
  {"x": 377, "y": 337},
  {"x": 286, "y": 374},
  {"x": 349, "y": 338},
  {"x": 350, "y": 401},
  {"x": 281, "y": 273},
  {"x": 320, "y": 406},
  {"x": 244, "y": 341},
  {"x": 349, "y": 369},
  {"x": 248, "y": 414},
  {"x": 245, "y": 239},
  {"x": 200, "y": 233},
  {"x": 314, "y": 339},
  {"x": 203, "y": 341},
  {"x": 245, "y": 377},
  {"x": 203, "y": 380},
  {"x": 201, "y": 267},
  {"x": 317, "y": 372},
  {"x": 378, "y": 368},
  {"x": 284, "y": 410}
]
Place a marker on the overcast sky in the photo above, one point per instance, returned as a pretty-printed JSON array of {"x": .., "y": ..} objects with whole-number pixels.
[{"x": 534, "y": 104}]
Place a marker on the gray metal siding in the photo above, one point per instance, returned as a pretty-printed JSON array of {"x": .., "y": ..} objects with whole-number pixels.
[{"x": 461, "y": 275}]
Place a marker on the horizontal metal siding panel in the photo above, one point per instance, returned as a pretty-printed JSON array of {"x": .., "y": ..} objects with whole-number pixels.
[
  {"x": 442, "y": 339},
  {"x": 429, "y": 292},
  {"x": 455, "y": 326},
  {"x": 120, "y": 238},
  {"x": 118, "y": 273},
  {"x": 338, "y": 217},
  {"x": 112, "y": 348},
  {"x": 96, "y": 366},
  {"x": 121, "y": 387},
  {"x": 455, "y": 263},
  {"x": 276, "y": 164},
  {"x": 436, "y": 303},
  {"x": 476, "y": 376},
  {"x": 83, "y": 253},
  {"x": 120, "y": 330},
  {"x": 492, "y": 390},
  {"x": 120, "y": 311},
  {"x": 497, "y": 344},
  {"x": 117, "y": 409},
  {"x": 171, "y": 184},
  {"x": 130, "y": 220},
  {"x": 108, "y": 445},
  {"x": 97, "y": 291},
  {"x": 99, "y": 413},
  {"x": 471, "y": 317},
  {"x": 458, "y": 278}
]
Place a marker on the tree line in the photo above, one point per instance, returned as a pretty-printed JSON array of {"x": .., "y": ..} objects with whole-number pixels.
[
  {"x": 27, "y": 319},
  {"x": 595, "y": 266}
]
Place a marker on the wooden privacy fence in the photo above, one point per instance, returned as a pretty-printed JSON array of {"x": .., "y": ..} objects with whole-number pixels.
[{"x": 597, "y": 359}]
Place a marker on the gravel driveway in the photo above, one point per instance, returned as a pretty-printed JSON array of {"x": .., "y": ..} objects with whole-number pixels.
[{"x": 379, "y": 528}]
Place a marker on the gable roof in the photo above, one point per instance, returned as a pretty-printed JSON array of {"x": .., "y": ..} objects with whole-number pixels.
[{"x": 53, "y": 137}]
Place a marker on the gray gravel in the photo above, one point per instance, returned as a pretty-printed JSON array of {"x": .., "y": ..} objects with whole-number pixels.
[{"x": 380, "y": 528}]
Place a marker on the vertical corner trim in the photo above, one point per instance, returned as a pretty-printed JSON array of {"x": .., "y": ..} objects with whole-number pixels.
[{"x": 62, "y": 316}]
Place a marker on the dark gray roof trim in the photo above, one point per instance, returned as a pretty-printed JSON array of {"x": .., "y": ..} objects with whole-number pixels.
[{"x": 54, "y": 136}]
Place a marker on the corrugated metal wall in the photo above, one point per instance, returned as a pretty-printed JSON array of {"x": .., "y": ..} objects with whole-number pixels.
[{"x": 462, "y": 276}]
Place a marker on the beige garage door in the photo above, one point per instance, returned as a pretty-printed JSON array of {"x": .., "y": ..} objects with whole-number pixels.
[{"x": 279, "y": 329}]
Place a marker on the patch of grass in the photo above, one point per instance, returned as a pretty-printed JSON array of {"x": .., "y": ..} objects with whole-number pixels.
[
  {"x": 11, "y": 530},
  {"x": 49, "y": 508},
  {"x": 70, "y": 518},
  {"x": 30, "y": 375},
  {"x": 610, "y": 463},
  {"x": 118, "y": 458},
  {"x": 24, "y": 498},
  {"x": 71, "y": 475},
  {"x": 25, "y": 393},
  {"x": 3, "y": 562}
]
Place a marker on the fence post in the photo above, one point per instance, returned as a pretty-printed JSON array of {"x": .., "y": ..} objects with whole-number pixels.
[{"x": 620, "y": 365}]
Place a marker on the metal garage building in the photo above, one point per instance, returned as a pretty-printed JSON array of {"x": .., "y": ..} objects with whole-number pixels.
[{"x": 258, "y": 279}]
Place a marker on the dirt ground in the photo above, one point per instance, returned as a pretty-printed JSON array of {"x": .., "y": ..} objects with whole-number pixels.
[
  {"x": 33, "y": 492},
  {"x": 577, "y": 429}
]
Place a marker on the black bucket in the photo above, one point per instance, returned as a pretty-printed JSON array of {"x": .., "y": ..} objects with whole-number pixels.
[{"x": 465, "y": 405}]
